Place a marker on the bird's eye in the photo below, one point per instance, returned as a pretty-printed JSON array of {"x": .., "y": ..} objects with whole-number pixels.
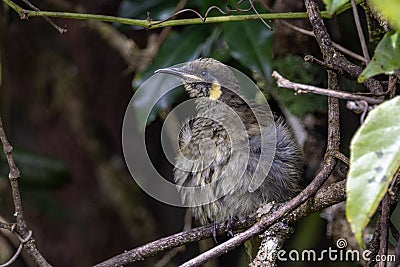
[{"x": 204, "y": 73}]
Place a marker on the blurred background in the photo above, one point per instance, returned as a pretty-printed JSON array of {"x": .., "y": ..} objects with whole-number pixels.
[{"x": 63, "y": 99}]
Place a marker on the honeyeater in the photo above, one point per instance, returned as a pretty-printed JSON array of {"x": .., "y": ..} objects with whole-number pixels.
[{"x": 230, "y": 144}]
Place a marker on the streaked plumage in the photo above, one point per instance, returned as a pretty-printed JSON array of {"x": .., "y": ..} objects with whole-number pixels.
[{"x": 213, "y": 147}]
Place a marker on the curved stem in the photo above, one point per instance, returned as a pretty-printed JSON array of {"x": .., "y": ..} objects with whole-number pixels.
[{"x": 157, "y": 24}]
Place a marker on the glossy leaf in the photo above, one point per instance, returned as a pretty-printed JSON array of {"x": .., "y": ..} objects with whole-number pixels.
[
  {"x": 386, "y": 58},
  {"x": 138, "y": 9},
  {"x": 333, "y": 5},
  {"x": 177, "y": 48},
  {"x": 249, "y": 42},
  {"x": 374, "y": 160},
  {"x": 294, "y": 68},
  {"x": 390, "y": 9},
  {"x": 191, "y": 43}
]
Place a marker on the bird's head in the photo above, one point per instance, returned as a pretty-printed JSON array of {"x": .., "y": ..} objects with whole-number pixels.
[{"x": 205, "y": 77}]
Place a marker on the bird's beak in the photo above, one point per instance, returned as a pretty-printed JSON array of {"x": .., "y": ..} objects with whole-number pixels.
[
  {"x": 173, "y": 71},
  {"x": 180, "y": 73}
]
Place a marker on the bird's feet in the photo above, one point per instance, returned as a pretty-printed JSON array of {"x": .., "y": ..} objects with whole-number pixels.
[
  {"x": 214, "y": 231},
  {"x": 228, "y": 225},
  {"x": 228, "y": 228}
]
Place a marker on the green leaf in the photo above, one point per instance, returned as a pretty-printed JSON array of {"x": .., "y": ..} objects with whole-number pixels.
[
  {"x": 333, "y": 5},
  {"x": 189, "y": 44},
  {"x": 386, "y": 58},
  {"x": 390, "y": 9},
  {"x": 138, "y": 9},
  {"x": 177, "y": 48},
  {"x": 374, "y": 160},
  {"x": 294, "y": 68},
  {"x": 250, "y": 43}
]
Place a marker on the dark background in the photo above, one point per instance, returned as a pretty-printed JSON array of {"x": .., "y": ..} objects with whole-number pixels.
[{"x": 63, "y": 98}]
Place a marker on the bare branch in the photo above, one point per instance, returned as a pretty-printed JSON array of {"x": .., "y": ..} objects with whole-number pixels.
[
  {"x": 228, "y": 10},
  {"x": 55, "y": 26},
  {"x": 21, "y": 230},
  {"x": 385, "y": 214},
  {"x": 272, "y": 242},
  {"x": 360, "y": 32},
  {"x": 336, "y": 45},
  {"x": 169, "y": 242},
  {"x": 396, "y": 255},
  {"x": 392, "y": 85},
  {"x": 324, "y": 197},
  {"x": 25, "y": 14},
  {"x": 13, "y": 176},
  {"x": 331, "y": 55},
  {"x": 265, "y": 222},
  {"x": 304, "y": 88},
  {"x": 393, "y": 198}
]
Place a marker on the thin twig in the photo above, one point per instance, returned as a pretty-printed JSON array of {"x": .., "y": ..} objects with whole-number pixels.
[
  {"x": 360, "y": 32},
  {"x": 263, "y": 224},
  {"x": 384, "y": 228},
  {"x": 336, "y": 45},
  {"x": 228, "y": 10},
  {"x": 187, "y": 225},
  {"x": 331, "y": 55},
  {"x": 262, "y": 20},
  {"x": 325, "y": 197},
  {"x": 340, "y": 156},
  {"x": 323, "y": 64},
  {"x": 373, "y": 244},
  {"x": 13, "y": 176},
  {"x": 145, "y": 23},
  {"x": 328, "y": 164},
  {"x": 396, "y": 262},
  {"x": 394, "y": 193},
  {"x": 327, "y": 167},
  {"x": 164, "y": 33},
  {"x": 304, "y": 88},
  {"x": 394, "y": 230},
  {"x": 169, "y": 242},
  {"x": 392, "y": 85},
  {"x": 58, "y": 28},
  {"x": 272, "y": 242},
  {"x": 21, "y": 230}
]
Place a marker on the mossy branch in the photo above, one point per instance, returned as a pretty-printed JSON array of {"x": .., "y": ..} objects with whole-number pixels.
[{"x": 149, "y": 24}]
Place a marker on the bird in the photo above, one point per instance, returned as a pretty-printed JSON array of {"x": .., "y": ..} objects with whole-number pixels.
[{"x": 234, "y": 152}]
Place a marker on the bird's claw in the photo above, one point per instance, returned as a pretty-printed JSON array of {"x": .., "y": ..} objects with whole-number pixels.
[
  {"x": 214, "y": 231},
  {"x": 228, "y": 226}
]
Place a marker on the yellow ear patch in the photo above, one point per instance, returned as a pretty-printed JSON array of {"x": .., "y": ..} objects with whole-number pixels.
[{"x": 215, "y": 91}]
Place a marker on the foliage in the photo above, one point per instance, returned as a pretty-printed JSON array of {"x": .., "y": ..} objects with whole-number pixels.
[
  {"x": 306, "y": 73},
  {"x": 333, "y": 5},
  {"x": 338, "y": 6},
  {"x": 250, "y": 50},
  {"x": 375, "y": 148},
  {"x": 390, "y": 9},
  {"x": 386, "y": 58},
  {"x": 374, "y": 160}
]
